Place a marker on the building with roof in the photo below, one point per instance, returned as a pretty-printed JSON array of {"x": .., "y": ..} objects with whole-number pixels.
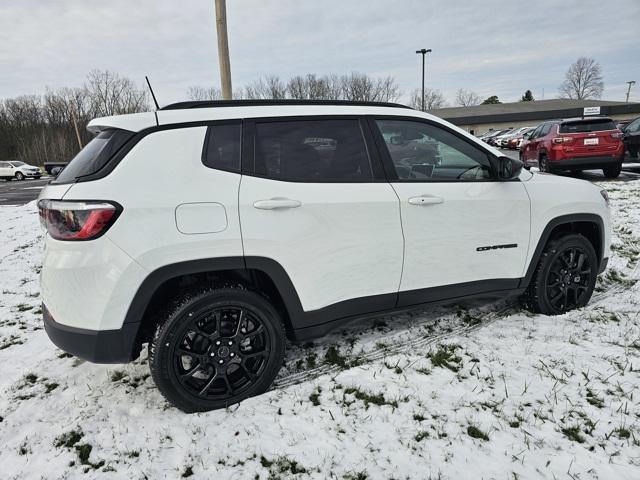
[{"x": 480, "y": 118}]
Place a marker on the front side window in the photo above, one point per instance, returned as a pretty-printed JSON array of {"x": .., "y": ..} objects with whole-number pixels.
[
  {"x": 425, "y": 152},
  {"x": 633, "y": 126},
  {"x": 312, "y": 151},
  {"x": 545, "y": 129},
  {"x": 222, "y": 147}
]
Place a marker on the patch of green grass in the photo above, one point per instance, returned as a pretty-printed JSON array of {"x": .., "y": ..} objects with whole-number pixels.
[
  {"x": 446, "y": 357},
  {"x": 424, "y": 371},
  {"x": 188, "y": 471},
  {"x": 573, "y": 433},
  {"x": 593, "y": 399},
  {"x": 23, "y": 307},
  {"x": 117, "y": 375},
  {"x": 514, "y": 423},
  {"x": 31, "y": 378},
  {"x": 50, "y": 387},
  {"x": 418, "y": 417},
  {"x": 370, "y": 399},
  {"x": 475, "y": 432},
  {"x": 68, "y": 439},
  {"x": 282, "y": 465},
  {"x": 421, "y": 436},
  {"x": 315, "y": 398},
  {"x": 334, "y": 357},
  {"x": 362, "y": 475},
  {"x": 65, "y": 355},
  {"x": 622, "y": 433}
]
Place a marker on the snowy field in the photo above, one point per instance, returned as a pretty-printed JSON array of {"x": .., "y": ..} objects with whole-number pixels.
[{"x": 442, "y": 393}]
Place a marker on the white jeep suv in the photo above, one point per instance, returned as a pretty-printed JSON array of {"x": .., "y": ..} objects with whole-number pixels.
[{"x": 213, "y": 231}]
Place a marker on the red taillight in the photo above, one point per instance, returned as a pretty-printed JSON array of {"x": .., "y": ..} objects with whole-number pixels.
[
  {"x": 77, "y": 220},
  {"x": 560, "y": 140}
]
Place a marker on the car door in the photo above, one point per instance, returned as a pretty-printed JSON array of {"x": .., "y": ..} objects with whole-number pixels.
[
  {"x": 464, "y": 230},
  {"x": 309, "y": 200},
  {"x": 631, "y": 137},
  {"x": 5, "y": 169},
  {"x": 528, "y": 149}
]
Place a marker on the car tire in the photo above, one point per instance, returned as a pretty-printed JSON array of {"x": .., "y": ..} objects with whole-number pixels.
[
  {"x": 19, "y": 176},
  {"x": 565, "y": 276},
  {"x": 612, "y": 171},
  {"x": 215, "y": 348},
  {"x": 543, "y": 164}
]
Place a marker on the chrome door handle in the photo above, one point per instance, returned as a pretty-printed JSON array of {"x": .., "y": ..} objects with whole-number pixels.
[
  {"x": 276, "y": 204},
  {"x": 426, "y": 200}
]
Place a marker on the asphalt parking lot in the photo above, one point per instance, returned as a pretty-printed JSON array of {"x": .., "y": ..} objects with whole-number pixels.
[{"x": 21, "y": 192}]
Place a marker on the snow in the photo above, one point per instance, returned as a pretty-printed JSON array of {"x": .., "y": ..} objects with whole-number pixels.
[{"x": 398, "y": 397}]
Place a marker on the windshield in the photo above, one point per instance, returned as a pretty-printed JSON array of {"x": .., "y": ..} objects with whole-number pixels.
[
  {"x": 585, "y": 126},
  {"x": 94, "y": 155},
  {"x": 17, "y": 164}
]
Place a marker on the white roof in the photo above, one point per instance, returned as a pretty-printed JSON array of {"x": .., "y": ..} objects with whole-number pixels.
[{"x": 139, "y": 121}]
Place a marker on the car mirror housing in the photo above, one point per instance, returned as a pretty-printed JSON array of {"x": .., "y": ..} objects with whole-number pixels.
[{"x": 509, "y": 168}]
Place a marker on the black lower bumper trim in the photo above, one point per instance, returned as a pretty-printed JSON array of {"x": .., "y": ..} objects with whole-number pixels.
[
  {"x": 585, "y": 162},
  {"x": 97, "y": 346}
]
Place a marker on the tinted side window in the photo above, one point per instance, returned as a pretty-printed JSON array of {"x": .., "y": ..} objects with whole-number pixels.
[
  {"x": 94, "y": 155},
  {"x": 425, "y": 152},
  {"x": 545, "y": 129},
  {"x": 222, "y": 147},
  {"x": 633, "y": 126},
  {"x": 312, "y": 151}
]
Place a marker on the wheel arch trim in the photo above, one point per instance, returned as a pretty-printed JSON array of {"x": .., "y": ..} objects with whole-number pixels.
[{"x": 546, "y": 235}]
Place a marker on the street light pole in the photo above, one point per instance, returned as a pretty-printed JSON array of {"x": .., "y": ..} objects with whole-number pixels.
[
  {"x": 630, "y": 83},
  {"x": 423, "y": 51}
]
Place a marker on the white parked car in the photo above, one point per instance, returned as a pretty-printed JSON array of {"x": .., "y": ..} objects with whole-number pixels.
[
  {"x": 260, "y": 220},
  {"x": 13, "y": 169}
]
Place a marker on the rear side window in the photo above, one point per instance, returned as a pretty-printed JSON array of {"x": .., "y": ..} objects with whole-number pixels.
[
  {"x": 585, "y": 126},
  {"x": 312, "y": 151},
  {"x": 222, "y": 147},
  {"x": 94, "y": 155}
]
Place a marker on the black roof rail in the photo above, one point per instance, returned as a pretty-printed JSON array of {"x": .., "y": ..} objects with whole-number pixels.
[{"x": 256, "y": 103}]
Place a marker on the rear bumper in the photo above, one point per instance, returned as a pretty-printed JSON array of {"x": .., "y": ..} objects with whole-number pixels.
[
  {"x": 586, "y": 162},
  {"x": 97, "y": 346}
]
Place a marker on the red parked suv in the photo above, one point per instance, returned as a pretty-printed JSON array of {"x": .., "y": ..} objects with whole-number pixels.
[{"x": 575, "y": 144}]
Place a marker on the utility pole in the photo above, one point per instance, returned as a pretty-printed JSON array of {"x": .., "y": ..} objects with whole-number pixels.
[
  {"x": 223, "y": 49},
  {"x": 423, "y": 51},
  {"x": 75, "y": 126},
  {"x": 630, "y": 83}
]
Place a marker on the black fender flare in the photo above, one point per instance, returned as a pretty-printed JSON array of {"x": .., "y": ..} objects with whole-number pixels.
[
  {"x": 546, "y": 234},
  {"x": 268, "y": 266}
]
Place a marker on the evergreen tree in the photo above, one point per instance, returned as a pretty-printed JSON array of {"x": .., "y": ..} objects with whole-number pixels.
[{"x": 527, "y": 97}]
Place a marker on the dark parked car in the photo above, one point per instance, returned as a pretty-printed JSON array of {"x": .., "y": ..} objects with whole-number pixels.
[{"x": 631, "y": 138}]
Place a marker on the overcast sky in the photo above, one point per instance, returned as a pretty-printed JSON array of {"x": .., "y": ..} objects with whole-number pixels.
[{"x": 492, "y": 47}]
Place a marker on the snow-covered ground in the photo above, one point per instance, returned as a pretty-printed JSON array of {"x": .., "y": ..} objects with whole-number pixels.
[{"x": 442, "y": 393}]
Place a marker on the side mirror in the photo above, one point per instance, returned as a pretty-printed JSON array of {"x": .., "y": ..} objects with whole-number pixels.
[
  {"x": 509, "y": 168},
  {"x": 527, "y": 136}
]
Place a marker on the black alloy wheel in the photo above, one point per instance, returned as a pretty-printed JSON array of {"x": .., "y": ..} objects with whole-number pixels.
[
  {"x": 216, "y": 349},
  {"x": 568, "y": 279},
  {"x": 565, "y": 276}
]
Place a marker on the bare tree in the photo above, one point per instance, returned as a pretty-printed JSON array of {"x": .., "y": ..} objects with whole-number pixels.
[
  {"x": 582, "y": 80},
  {"x": 270, "y": 87},
  {"x": 197, "y": 92},
  {"x": 112, "y": 94},
  {"x": 432, "y": 99},
  {"x": 312, "y": 87},
  {"x": 466, "y": 98},
  {"x": 361, "y": 87}
]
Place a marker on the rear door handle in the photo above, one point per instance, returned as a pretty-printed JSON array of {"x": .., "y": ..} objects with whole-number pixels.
[
  {"x": 276, "y": 204},
  {"x": 426, "y": 200}
]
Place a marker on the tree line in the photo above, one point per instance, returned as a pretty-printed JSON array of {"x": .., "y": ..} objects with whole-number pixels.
[{"x": 52, "y": 127}]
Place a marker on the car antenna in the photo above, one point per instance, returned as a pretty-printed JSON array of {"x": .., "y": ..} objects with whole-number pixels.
[{"x": 152, "y": 94}]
